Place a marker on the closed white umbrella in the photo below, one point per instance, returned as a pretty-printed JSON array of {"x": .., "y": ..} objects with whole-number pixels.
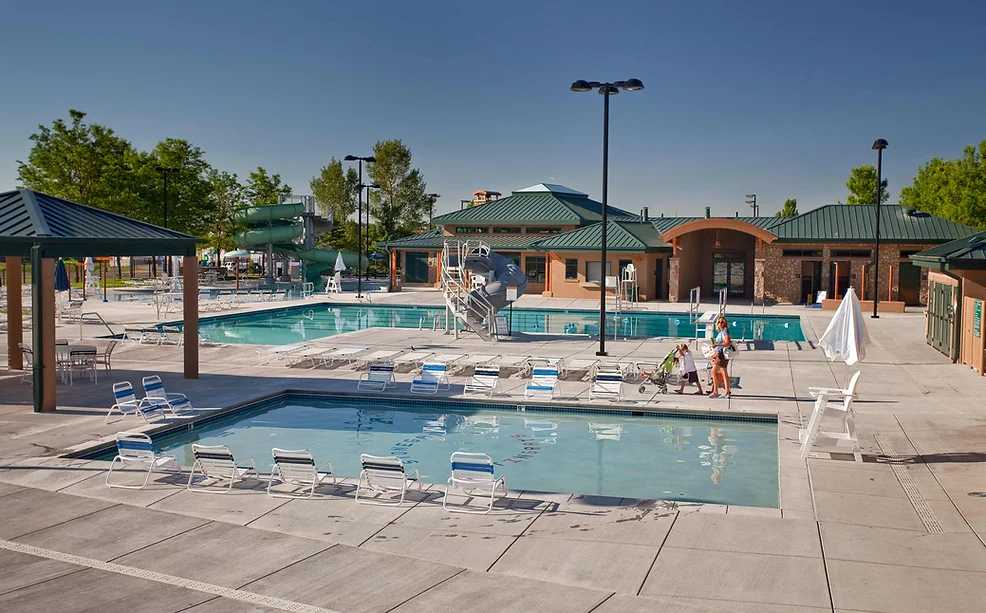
[
  {"x": 846, "y": 337},
  {"x": 340, "y": 265}
]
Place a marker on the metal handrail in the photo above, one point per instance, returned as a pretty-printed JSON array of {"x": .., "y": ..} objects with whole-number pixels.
[
  {"x": 82, "y": 316},
  {"x": 694, "y": 303},
  {"x": 722, "y": 301}
]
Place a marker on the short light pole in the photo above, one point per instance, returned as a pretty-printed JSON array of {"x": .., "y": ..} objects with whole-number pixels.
[
  {"x": 363, "y": 186},
  {"x": 359, "y": 218},
  {"x": 464, "y": 203},
  {"x": 751, "y": 199},
  {"x": 605, "y": 90},
  {"x": 432, "y": 199},
  {"x": 166, "y": 170},
  {"x": 879, "y": 145}
]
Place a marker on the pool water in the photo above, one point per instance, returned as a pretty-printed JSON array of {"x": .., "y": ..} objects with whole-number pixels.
[
  {"x": 702, "y": 460},
  {"x": 297, "y": 324}
]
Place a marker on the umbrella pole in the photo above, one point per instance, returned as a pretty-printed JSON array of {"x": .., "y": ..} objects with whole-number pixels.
[{"x": 236, "y": 263}]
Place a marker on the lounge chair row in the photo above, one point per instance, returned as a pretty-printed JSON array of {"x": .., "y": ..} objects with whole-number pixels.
[
  {"x": 153, "y": 405},
  {"x": 165, "y": 335},
  {"x": 472, "y": 473}
]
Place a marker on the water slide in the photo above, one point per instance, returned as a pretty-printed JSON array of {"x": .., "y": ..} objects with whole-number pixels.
[
  {"x": 476, "y": 308},
  {"x": 501, "y": 271},
  {"x": 275, "y": 228}
]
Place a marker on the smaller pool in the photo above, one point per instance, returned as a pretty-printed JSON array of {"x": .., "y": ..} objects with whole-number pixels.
[{"x": 721, "y": 461}]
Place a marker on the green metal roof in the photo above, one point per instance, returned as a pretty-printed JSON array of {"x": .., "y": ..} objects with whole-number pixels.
[
  {"x": 533, "y": 208},
  {"x": 69, "y": 229},
  {"x": 855, "y": 223},
  {"x": 663, "y": 224},
  {"x": 620, "y": 236},
  {"x": 964, "y": 253},
  {"x": 434, "y": 240}
]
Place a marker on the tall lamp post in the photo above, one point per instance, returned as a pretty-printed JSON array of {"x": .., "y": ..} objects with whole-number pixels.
[
  {"x": 879, "y": 145},
  {"x": 605, "y": 90},
  {"x": 752, "y": 201},
  {"x": 363, "y": 186},
  {"x": 166, "y": 170},
  {"x": 432, "y": 199},
  {"x": 359, "y": 218}
]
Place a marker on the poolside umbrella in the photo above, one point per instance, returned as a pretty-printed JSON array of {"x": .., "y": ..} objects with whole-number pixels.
[
  {"x": 376, "y": 256},
  {"x": 61, "y": 277},
  {"x": 340, "y": 265},
  {"x": 236, "y": 255},
  {"x": 846, "y": 338}
]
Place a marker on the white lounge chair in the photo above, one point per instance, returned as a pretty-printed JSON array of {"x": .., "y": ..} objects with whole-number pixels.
[
  {"x": 384, "y": 474},
  {"x": 378, "y": 378},
  {"x": 836, "y": 403},
  {"x": 473, "y": 476},
  {"x": 154, "y": 391},
  {"x": 414, "y": 357},
  {"x": 577, "y": 365},
  {"x": 127, "y": 403},
  {"x": 543, "y": 384},
  {"x": 431, "y": 379},
  {"x": 452, "y": 361},
  {"x": 281, "y": 352},
  {"x": 380, "y": 354},
  {"x": 171, "y": 335},
  {"x": 513, "y": 361},
  {"x": 477, "y": 359},
  {"x": 216, "y": 462},
  {"x": 297, "y": 468},
  {"x": 607, "y": 384},
  {"x": 315, "y": 353},
  {"x": 346, "y": 354},
  {"x": 136, "y": 448},
  {"x": 141, "y": 334},
  {"x": 485, "y": 380}
]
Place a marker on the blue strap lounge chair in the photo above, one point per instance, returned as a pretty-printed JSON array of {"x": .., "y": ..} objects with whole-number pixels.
[
  {"x": 127, "y": 403},
  {"x": 543, "y": 384},
  {"x": 297, "y": 468},
  {"x": 154, "y": 390},
  {"x": 384, "y": 475},
  {"x": 134, "y": 448},
  {"x": 473, "y": 477},
  {"x": 215, "y": 462}
]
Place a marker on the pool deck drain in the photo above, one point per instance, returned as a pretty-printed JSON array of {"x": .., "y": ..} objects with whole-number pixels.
[{"x": 924, "y": 511}]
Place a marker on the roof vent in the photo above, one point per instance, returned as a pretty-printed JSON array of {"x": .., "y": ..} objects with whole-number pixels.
[
  {"x": 708, "y": 212},
  {"x": 644, "y": 214},
  {"x": 909, "y": 210}
]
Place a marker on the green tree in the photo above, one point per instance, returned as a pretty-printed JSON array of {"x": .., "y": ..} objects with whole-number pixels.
[
  {"x": 953, "y": 189},
  {"x": 862, "y": 186},
  {"x": 83, "y": 163},
  {"x": 190, "y": 203},
  {"x": 227, "y": 195},
  {"x": 262, "y": 188},
  {"x": 790, "y": 208},
  {"x": 335, "y": 191},
  {"x": 400, "y": 203}
]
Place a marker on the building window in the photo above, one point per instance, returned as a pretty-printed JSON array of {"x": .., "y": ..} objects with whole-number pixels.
[
  {"x": 507, "y": 230},
  {"x": 571, "y": 269},
  {"x": 470, "y": 230},
  {"x": 535, "y": 268},
  {"x": 535, "y": 230},
  {"x": 802, "y": 253},
  {"x": 852, "y": 253},
  {"x": 513, "y": 257},
  {"x": 592, "y": 271},
  {"x": 908, "y": 253}
]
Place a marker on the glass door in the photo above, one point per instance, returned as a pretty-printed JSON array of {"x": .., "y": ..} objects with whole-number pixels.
[{"x": 729, "y": 273}]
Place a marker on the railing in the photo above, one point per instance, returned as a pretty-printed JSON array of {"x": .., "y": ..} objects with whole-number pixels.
[
  {"x": 459, "y": 300},
  {"x": 82, "y": 316},
  {"x": 694, "y": 303},
  {"x": 723, "y": 293}
]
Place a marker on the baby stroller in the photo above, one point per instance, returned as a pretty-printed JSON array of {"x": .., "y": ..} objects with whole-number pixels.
[{"x": 661, "y": 374}]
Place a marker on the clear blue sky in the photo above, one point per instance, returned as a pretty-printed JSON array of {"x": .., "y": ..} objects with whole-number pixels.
[{"x": 778, "y": 98}]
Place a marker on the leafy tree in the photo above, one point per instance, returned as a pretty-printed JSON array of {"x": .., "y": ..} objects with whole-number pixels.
[
  {"x": 953, "y": 189},
  {"x": 262, "y": 188},
  {"x": 400, "y": 203},
  {"x": 862, "y": 186},
  {"x": 84, "y": 163},
  {"x": 227, "y": 195},
  {"x": 335, "y": 191},
  {"x": 790, "y": 208},
  {"x": 190, "y": 204}
]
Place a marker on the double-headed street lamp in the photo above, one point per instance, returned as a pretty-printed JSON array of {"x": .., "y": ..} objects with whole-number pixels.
[
  {"x": 359, "y": 217},
  {"x": 363, "y": 186},
  {"x": 166, "y": 170},
  {"x": 432, "y": 199},
  {"x": 752, "y": 201},
  {"x": 605, "y": 90},
  {"x": 879, "y": 145}
]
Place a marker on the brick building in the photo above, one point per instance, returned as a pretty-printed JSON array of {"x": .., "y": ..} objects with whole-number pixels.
[{"x": 554, "y": 234}]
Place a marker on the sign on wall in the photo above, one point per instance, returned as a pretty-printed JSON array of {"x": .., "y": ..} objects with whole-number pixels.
[{"x": 977, "y": 319}]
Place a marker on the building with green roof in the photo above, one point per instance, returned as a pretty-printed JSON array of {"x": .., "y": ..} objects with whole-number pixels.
[{"x": 554, "y": 233}]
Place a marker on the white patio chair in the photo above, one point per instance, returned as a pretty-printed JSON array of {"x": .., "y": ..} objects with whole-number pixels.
[
  {"x": 835, "y": 403},
  {"x": 607, "y": 384},
  {"x": 136, "y": 448},
  {"x": 216, "y": 462},
  {"x": 385, "y": 474},
  {"x": 82, "y": 362},
  {"x": 485, "y": 380},
  {"x": 127, "y": 403},
  {"x": 473, "y": 476},
  {"x": 543, "y": 384},
  {"x": 432, "y": 378},
  {"x": 378, "y": 378},
  {"x": 346, "y": 354},
  {"x": 297, "y": 468},
  {"x": 154, "y": 391}
]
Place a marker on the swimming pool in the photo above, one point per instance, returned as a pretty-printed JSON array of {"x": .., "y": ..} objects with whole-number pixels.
[
  {"x": 297, "y": 324},
  {"x": 671, "y": 458}
]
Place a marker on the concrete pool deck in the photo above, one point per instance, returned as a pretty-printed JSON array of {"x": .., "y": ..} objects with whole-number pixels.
[{"x": 848, "y": 536}]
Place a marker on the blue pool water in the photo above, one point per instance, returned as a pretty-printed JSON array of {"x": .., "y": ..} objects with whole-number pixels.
[
  {"x": 704, "y": 460},
  {"x": 295, "y": 324}
]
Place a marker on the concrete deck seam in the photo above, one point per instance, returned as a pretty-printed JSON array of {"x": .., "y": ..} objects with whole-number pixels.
[
  {"x": 426, "y": 589},
  {"x": 24, "y": 587},
  {"x": 656, "y": 555},
  {"x": 183, "y": 532},
  {"x": 197, "y": 604},
  {"x": 199, "y": 586},
  {"x": 298, "y": 561},
  {"x": 66, "y": 521},
  {"x": 920, "y": 505},
  {"x": 389, "y": 524},
  {"x": 601, "y": 602},
  {"x": 265, "y": 513},
  {"x": 825, "y": 566},
  {"x": 516, "y": 538}
]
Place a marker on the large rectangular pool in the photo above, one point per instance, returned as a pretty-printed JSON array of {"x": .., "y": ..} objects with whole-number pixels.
[
  {"x": 698, "y": 459},
  {"x": 305, "y": 323}
]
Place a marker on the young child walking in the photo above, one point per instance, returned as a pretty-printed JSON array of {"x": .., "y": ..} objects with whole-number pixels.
[{"x": 689, "y": 373}]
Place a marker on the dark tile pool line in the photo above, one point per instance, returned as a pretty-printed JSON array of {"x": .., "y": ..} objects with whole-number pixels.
[{"x": 417, "y": 403}]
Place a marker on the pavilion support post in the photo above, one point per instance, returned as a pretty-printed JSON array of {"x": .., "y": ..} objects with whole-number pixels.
[
  {"x": 15, "y": 314},
  {"x": 43, "y": 325},
  {"x": 190, "y": 311},
  {"x": 393, "y": 271}
]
